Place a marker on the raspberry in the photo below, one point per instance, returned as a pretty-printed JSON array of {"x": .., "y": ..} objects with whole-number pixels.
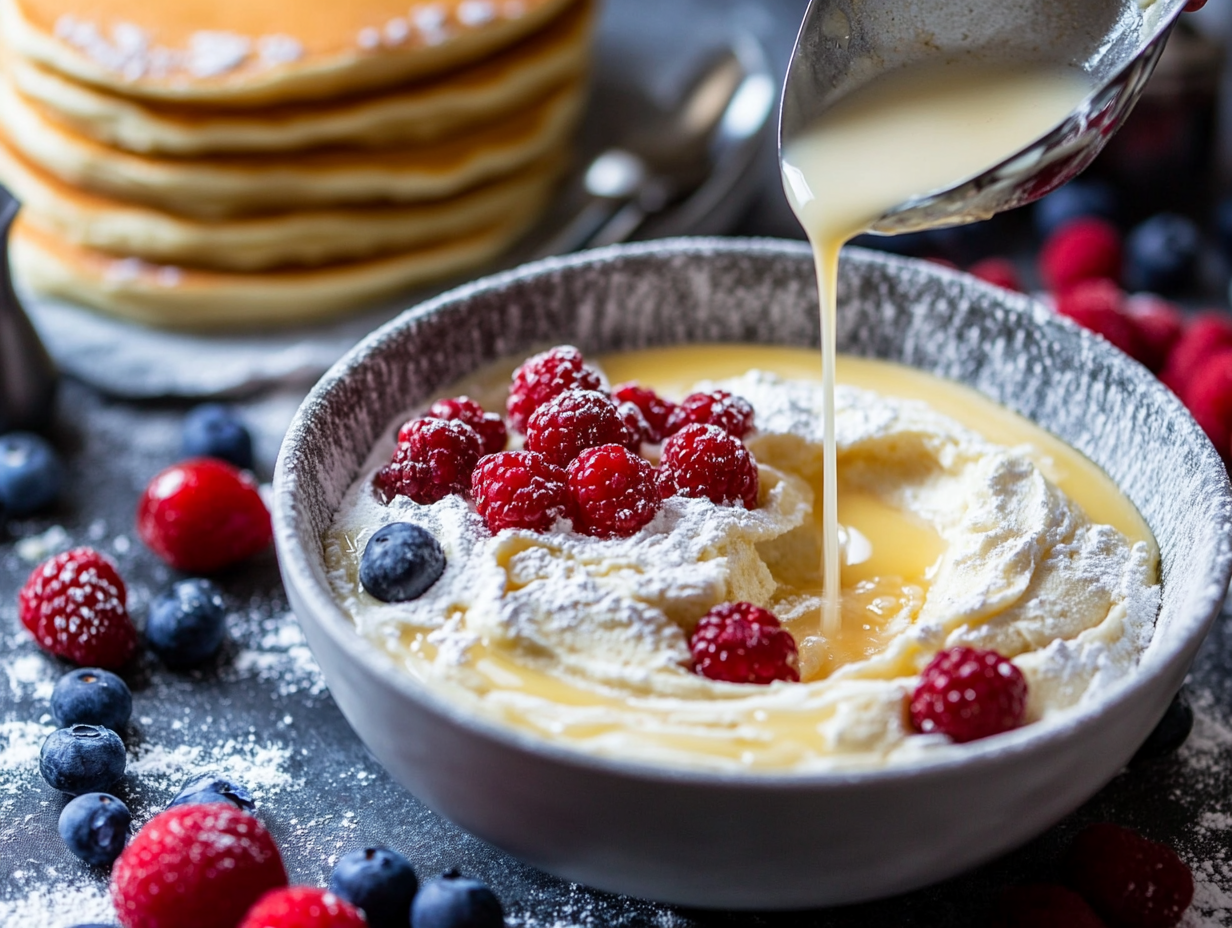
[
  {"x": 1000, "y": 272},
  {"x": 195, "y": 866},
  {"x": 1159, "y": 324},
  {"x": 545, "y": 376},
  {"x": 567, "y": 425},
  {"x": 1097, "y": 305},
  {"x": 490, "y": 427},
  {"x": 1208, "y": 397},
  {"x": 612, "y": 492},
  {"x": 202, "y": 515},
  {"x": 655, "y": 410},
  {"x": 435, "y": 457},
  {"x": 968, "y": 694},
  {"x": 1208, "y": 334},
  {"x": 636, "y": 426},
  {"x": 1130, "y": 881},
  {"x": 1082, "y": 249},
  {"x": 302, "y": 907},
  {"x": 519, "y": 489},
  {"x": 705, "y": 461},
  {"x": 733, "y": 414},
  {"x": 742, "y": 643},
  {"x": 1043, "y": 905},
  {"x": 75, "y": 606}
]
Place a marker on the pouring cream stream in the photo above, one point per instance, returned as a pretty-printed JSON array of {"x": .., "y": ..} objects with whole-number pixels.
[{"x": 904, "y": 134}]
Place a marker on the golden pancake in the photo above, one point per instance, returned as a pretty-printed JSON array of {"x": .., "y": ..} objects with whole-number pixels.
[
  {"x": 261, "y": 52},
  {"x": 420, "y": 113},
  {"x": 306, "y": 238},
  {"x": 172, "y": 297},
  {"x": 219, "y": 187}
]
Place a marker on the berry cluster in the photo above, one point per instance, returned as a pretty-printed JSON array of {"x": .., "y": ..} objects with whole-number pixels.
[{"x": 580, "y": 458}]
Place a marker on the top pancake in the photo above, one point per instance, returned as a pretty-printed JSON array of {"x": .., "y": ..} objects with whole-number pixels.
[{"x": 260, "y": 52}]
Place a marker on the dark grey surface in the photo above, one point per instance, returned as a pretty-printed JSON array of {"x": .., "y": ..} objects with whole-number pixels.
[{"x": 330, "y": 796}]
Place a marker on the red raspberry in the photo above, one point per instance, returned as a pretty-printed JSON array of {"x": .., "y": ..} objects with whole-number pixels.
[
  {"x": 202, "y": 515},
  {"x": 1098, "y": 305},
  {"x": 490, "y": 427},
  {"x": 519, "y": 489},
  {"x": 1208, "y": 334},
  {"x": 655, "y": 410},
  {"x": 567, "y": 425},
  {"x": 195, "y": 866},
  {"x": 733, "y": 414},
  {"x": 1208, "y": 397},
  {"x": 612, "y": 492},
  {"x": 705, "y": 461},
  {"x": 75, "y": 605},
  {"x": 636, "y": 426},
  {"x": 1159, "y": 324},
  {"x": 1130, "y": 881},
  {"x": 545, "y": 376},
  {"x": 1000, "y": 272},
  {"x": 1082, "y": 249},
  {"x": 303, "y": 907},
  {"x": 968, "y": 694},
  {"x": 1044, "y": 905},
  {"x": 435, "y": 457},
  {"x": 742, "y": 643}
]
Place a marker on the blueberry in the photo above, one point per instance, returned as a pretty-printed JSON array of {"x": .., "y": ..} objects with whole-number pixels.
[
  {"x": 82, "y": 759},
  {"x": 30, "y": 473},
  {"x": 1076, "y": 199},
  {"x": 207, "y": 788},
  {"x": 400, "y": 562},
  {"x": 379, "y": 881},
  {"x": 95, "y": 827},
  {"x": 1170, "y": 733},
  {"x": 187, "y": 623},
  {"x": 1161, "y": 254},
  {"x": 213, "y": 431},
  {"x": 455, "y": 901},
  {"x": 90, "y": 696}
]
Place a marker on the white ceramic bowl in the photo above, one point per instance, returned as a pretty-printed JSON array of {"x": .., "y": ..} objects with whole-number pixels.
[{"x": 756, "y": 840}]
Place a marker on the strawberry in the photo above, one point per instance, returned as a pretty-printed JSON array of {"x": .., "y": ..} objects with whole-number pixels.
[{"x": 303, "y": 907}]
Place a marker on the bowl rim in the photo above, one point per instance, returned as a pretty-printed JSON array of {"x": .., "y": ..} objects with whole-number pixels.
[{"x": 298, "y": 571}]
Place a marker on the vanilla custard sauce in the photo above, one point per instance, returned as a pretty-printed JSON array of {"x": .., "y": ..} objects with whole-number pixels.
[{"x": 907, "y": 133}]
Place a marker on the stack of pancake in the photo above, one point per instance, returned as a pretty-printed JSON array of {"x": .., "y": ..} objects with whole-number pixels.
[{"x": 221, "y": 163}]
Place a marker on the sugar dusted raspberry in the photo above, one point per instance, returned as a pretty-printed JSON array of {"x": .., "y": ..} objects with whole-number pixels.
[
  {"x": 1000, "y": 272},
  {"x": 705, "y": 461},
  {"x": 519, "y": 489},
  {"x": 967, "y": 694},
  {"x": 733, "y": 414},
  {"x": 1130, "y": 881},
  {"x": 75, "y": 606},
  {"x": 435, "y": 457},
  {"x": 545, "y": 376},
  {"x": 490, "y": 427},
  {"x": 743, "y": 643},
  {"x": 636, "y": 426},
  {"x": 195, "y": 866},
  {"x": 1159, "y": 324},
  {"x": 568, "y": 424},
  {"x": 203, "y": 515},
  {"x": 1043, "y": 905},
  {"x": 1098, "y": 305},
  {"x": 1208, "y": 397},
  {"x": 1208, "y": 334},
  {"x": 1082, "y": 249},
  {"x": 303, "y": 907},
  {"x": 655, "y": 410},
  {"x": 612, "y": 492}
]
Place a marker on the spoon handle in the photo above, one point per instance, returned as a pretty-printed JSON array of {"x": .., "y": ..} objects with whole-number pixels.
[{"x": 28, "y": 376}]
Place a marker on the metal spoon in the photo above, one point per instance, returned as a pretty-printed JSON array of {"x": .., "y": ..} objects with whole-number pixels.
[
  {"x": 843, "y": 44},
  {"x": 717, "y": 122},
  {"x": 27, "y": 374}
]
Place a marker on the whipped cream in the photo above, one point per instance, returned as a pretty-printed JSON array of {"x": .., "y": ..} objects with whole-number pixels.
[{"x": 585, "y": 640}]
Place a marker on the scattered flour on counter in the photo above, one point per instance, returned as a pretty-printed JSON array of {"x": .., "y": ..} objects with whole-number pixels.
[
  {"x": 1207, "y": 756},
  {"x": 56, "y": 903},
  {"x": 280, "y": 656},
  {"x": 259, "y": 766},
  {"x": 35, "y": 548},
  {"x": 30, "y": 677}
]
